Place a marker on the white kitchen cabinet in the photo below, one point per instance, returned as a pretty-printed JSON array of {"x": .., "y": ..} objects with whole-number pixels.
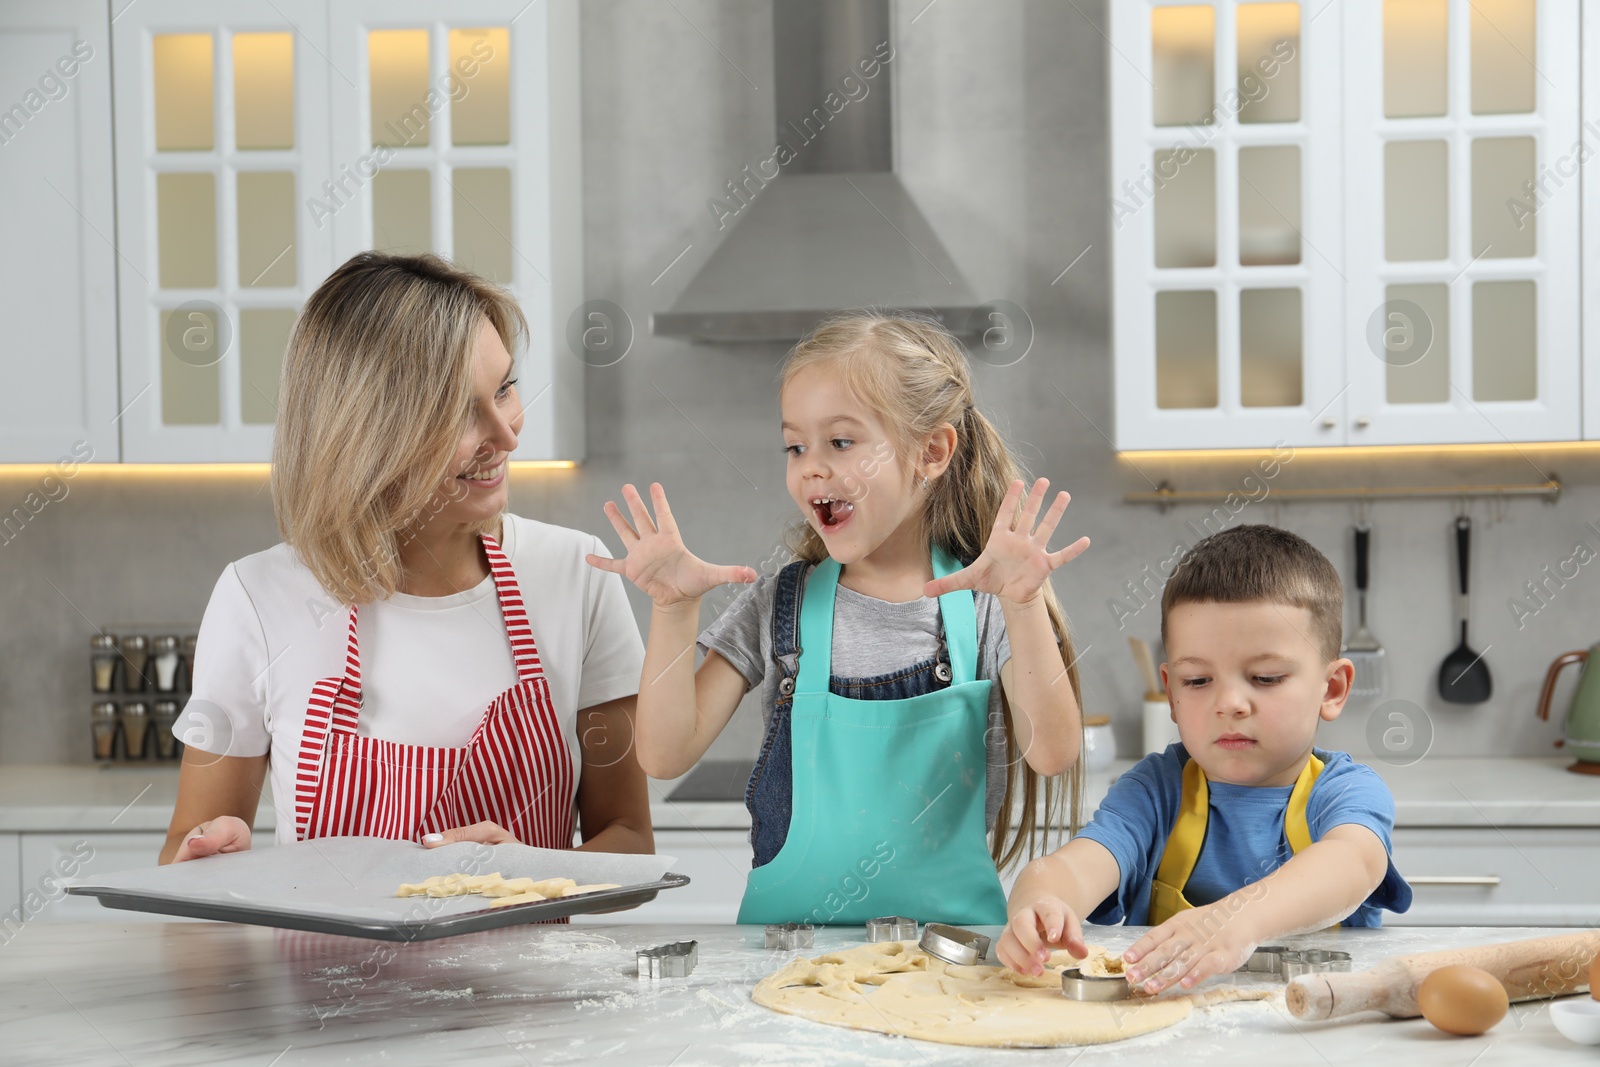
[
  {"x": 1322, "y": 233},
  {"x": 263, "y": 142},
  {"x": 716, "y": 861},
  {"x": 1486, "y": 877},
  {"x": 10, "y": 882},
  {"x": 58, "y": 286}
]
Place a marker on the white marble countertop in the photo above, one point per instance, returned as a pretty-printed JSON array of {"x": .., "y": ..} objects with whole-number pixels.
[
  {"x": 216, "y": 993},
  {"x": 1477, "y": 792}
]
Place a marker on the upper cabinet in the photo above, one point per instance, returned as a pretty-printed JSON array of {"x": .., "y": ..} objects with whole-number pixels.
[
  {"x": 58, "y": 288},
  {"x": 1332, "y": 223},
  {"x": 260, "y": 143}
]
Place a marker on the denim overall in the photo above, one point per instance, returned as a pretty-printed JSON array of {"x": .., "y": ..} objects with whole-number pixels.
[{"x": 883, "y": 810}]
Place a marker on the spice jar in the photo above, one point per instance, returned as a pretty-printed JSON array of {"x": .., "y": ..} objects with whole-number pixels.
[
  {"x": 186, "y": 664},
  {"x": 135, "y": 728},
  {"x": 103, "y": 656},
  {"x": 135, "y": 658},
  {"x": 163, "y": 714},
  {"x": 103, "y": 729},
  {"x": 1099, "y": 745},
  {"x": 164, "y": 664}
]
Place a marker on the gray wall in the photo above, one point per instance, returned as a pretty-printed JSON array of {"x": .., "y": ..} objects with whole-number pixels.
[{"x": 1002, "y": 137}]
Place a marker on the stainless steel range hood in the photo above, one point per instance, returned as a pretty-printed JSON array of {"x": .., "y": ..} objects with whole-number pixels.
[{"x": 822, "y": 223}]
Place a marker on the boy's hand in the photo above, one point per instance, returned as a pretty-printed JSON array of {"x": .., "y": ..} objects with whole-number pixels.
[
  {"x": 1188, "y": 948},
  {"x": 1032, "y": 932},
  {"x": 655, "y": 559},
  {"x": 1016, "y": 561}
]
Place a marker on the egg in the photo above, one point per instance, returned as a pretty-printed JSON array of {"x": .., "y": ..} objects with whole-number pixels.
[{"x": 1462, "y": 1000}]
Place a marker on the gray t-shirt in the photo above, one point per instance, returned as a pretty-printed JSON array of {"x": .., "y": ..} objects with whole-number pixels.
[{"x": 870, "y": 636}]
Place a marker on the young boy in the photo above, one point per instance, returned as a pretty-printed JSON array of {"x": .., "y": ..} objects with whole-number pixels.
[{"x": 1244, "y": 832}]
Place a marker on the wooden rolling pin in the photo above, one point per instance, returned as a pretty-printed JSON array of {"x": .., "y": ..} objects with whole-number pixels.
[{"x": 1530, "y": 970}]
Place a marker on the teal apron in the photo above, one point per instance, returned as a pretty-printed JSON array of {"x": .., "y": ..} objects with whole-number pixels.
[{"x": 889, "y": 795}]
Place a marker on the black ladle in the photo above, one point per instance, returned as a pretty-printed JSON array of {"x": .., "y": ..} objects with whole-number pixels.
[{"x": 1464, "y": 676}]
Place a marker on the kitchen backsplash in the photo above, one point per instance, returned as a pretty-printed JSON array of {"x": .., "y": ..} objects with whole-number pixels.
[{"x": 1013, "y": 173}]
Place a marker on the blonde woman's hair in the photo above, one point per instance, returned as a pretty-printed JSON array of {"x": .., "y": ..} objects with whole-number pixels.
[
  {"x": 914, "y": 375},
  {"x": 375, "y": 397}
]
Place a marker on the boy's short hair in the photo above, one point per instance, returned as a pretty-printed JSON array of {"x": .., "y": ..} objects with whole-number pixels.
[{"x": 1261, "y": 563}]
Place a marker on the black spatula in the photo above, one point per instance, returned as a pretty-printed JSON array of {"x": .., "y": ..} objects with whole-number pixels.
[{"x": 1464, "y": 676}]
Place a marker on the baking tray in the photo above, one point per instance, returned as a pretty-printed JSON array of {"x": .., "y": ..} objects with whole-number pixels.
[{"x": 345, "y": 886}]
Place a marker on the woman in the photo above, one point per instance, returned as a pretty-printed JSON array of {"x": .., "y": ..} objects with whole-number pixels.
[{"x": 383, "y": 662}]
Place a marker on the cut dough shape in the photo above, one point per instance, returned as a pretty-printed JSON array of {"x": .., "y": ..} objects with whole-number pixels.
[
  {"x": 1101, "y": 966},
  {"x": 500, "y": 890},
  {"x": 893, "y": 987}
]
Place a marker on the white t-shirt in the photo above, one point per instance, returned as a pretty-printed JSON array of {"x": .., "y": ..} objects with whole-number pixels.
[{"x": 430, "y": 666}]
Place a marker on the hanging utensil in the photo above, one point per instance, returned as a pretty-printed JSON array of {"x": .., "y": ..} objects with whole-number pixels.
[
  {"x": 1464, "y": 676},
  {"x": 1363, "y": 650}
]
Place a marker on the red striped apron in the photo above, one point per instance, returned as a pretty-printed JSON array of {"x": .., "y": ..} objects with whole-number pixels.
[{"x": 516, "y": 770}]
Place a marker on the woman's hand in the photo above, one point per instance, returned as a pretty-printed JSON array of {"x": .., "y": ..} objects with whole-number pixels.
[
  {"x": 226, "y": 833},
  {"x": 1190, "y": 947},
  {"x": 655, "y": 559},
  {"x": 1045, "y": 924},
  {"x": 484, "y": 833},
  {"x": 1017, "y": 560}
]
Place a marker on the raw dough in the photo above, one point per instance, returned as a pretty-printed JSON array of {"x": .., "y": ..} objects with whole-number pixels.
[
  {"x": 895, "y": 988},
  {"x": 1101, "y": 965},
  {"x": 502, "y": 890}
]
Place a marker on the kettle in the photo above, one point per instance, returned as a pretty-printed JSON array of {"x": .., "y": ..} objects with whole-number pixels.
[{"x": 1582, "y": 728}]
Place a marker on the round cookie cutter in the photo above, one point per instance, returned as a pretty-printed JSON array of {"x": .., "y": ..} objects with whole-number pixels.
[
  {"x": 953, "y": 944},
  {"x": 1079, "y": 986},
  {"x": 790, "y": 935},
  {"x": 892, "y": 928}
]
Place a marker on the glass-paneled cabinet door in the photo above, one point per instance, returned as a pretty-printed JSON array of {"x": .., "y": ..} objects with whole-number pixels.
[
  {"x": 222, "y": 137},
  {"x": 58, "y": 349},
  {"x": 1225, "y": 216},
  {"x": 457, "y": 132},
  {"x": 1462, "y": 165}
]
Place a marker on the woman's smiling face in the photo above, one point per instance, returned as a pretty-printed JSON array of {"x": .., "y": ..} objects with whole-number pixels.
[
  {"x": 476, "y": 490},
  {"x": 843, "y": 471}
]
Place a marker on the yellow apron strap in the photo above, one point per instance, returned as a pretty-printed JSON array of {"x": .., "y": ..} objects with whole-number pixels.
[
  {"x": 1189, "y": 835},
  {"x": 1183, "y": 847},
  {"x": 1295, "y": 826}
]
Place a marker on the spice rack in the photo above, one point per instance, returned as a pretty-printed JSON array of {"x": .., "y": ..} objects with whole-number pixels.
[{"x": 139, "y": 681}]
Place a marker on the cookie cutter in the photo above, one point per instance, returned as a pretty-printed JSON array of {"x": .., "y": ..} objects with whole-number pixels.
[
  {"x": 892, "y": 928},
  {"x": 953, "y": 944},
  {"x": 1076, "y": 985},
  {"x": 790, "y": 935},
  {"x": 1268, "y": 959},
  {"x": 676, "y": 960},
  {"x": 1312, "y": 961}
]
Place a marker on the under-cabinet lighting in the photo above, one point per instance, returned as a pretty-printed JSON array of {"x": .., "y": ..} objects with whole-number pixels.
[
  {"x": 242, "y": 470},
  {"x": 1367, "y": 451}
]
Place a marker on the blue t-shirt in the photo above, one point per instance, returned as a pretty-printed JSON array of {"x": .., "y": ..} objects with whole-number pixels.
[{"x": 1244, "y": 841}]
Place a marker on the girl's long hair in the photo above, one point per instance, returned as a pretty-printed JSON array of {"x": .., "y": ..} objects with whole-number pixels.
[{"x": 914, "y": 375}]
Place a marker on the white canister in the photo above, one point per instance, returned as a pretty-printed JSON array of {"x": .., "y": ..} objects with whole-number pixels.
[
  {"x": 1159, "y": 729},
  {"x": 1099, "y": 744}
]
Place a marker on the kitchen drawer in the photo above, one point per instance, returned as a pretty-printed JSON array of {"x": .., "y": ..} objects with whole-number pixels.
[
  {"x": 10, "y": 884},
  {"x": 1486, "y": 877},
  {"x": 716, "y": 862}
]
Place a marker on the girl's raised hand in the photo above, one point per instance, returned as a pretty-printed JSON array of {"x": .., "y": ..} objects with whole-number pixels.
[
  {"x": 1017, "y": 560},
  {"x": 655, "y": 558}
]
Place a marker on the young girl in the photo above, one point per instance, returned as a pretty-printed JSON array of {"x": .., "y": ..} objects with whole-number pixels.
[{"x": 888, "y": 755}]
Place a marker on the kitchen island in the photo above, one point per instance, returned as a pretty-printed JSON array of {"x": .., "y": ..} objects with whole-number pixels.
[{"x": 217, "y": 993}]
